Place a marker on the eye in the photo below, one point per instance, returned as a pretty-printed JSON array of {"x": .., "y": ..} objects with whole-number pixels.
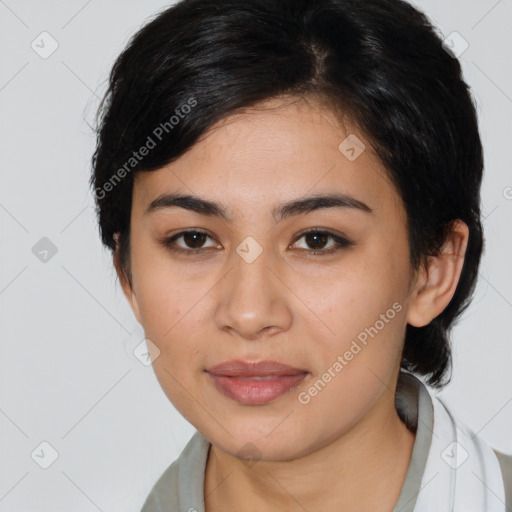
[
  {"x": 193, "y": 240},
  {"x": 318, "y": 238}
]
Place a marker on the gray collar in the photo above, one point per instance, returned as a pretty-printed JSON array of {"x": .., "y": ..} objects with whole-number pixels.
[{"x": 414, "y": 406}]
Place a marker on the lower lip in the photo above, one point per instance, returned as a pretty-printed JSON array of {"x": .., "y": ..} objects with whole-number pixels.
[{"x": 255, "y": 392}]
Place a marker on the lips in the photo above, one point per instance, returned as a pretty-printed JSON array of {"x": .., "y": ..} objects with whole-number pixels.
[
  {"x": 239, "y": 368},
  {"x": 255, "y": 383}
]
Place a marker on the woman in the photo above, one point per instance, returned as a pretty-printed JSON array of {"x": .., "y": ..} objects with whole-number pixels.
[{"x": 290, "y": 190}]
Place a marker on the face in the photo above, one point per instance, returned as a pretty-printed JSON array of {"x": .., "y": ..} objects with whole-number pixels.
[{"x": 256, "y": 284}]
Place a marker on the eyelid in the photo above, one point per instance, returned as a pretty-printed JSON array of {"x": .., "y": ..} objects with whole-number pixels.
[
  {"x": 320, "y": 230},
  {"x": 168, "y": 241},
  {"x": 340, "y": 239}
]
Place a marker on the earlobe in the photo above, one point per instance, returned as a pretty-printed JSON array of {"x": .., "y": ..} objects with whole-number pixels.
[
  {"x": 437, "y": 283},
  {"x": 131, "y": 297},
  {"x": 124, "y": 281}
]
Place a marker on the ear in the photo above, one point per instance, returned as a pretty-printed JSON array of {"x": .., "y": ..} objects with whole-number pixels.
[
  {"x": 126, "y": 281},
  {"x": 436, "y": 284}
]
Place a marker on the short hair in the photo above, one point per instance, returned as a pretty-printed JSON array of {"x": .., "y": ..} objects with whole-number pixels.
[{"x": 379, "y": 62}]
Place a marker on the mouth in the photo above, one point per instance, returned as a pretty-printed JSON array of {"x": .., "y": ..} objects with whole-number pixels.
[{"x": 255, "y": 383}]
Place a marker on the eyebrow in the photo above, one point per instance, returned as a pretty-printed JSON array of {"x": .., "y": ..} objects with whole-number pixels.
[{"x": 291, "y": 208}]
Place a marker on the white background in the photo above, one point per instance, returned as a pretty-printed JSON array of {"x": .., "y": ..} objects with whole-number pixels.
[{"x": 68, "y": 374}]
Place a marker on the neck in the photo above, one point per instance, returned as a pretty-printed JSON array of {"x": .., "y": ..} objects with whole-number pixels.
[{"x": 374, "y": 454}]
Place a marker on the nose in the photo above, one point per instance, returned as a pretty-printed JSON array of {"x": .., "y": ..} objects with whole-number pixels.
[{"x": 253, "y": 299}]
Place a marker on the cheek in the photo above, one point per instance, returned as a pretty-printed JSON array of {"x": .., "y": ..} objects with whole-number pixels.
[
  {"x": 365, "y": 327},
  {"x": 171, "y": 317},
  {"x": 367, "y": 320},
  {"x": 363, "y": 308},
  {"x": 165, "y": 295},
  {"x": 360, "y": 289}
]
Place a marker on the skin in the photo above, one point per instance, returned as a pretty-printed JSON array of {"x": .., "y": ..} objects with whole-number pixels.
[{"x": 305, "y": 311}]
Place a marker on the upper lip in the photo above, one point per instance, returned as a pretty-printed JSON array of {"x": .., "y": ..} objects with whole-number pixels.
[{"x": 239, "y": 368}]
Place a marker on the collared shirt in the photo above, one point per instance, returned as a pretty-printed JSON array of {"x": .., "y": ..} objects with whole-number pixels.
[{"x": 181, "y": 487}]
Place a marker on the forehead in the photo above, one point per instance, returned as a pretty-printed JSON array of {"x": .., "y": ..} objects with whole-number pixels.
[{"x": 278, "y": 151}]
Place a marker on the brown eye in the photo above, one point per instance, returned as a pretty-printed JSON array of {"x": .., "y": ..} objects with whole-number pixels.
[
  {"x": 193, "y": 242},
  {"x": 194, "y": 239},
  {"x": 316, "y": 241}
]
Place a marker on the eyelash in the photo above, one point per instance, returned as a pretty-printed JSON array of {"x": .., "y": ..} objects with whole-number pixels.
[{"x": 342, "y": 243}]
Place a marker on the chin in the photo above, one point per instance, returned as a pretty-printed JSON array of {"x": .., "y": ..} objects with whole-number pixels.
[{"x": 251, "y": 445}]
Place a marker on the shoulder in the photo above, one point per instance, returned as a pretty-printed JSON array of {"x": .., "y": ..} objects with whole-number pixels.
[
  {"x": 505, "y": 462},
  {"x": 182, "y": 482},
  {"x": 164, "y": 494},
  {"x": 506, "y": 470}
]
